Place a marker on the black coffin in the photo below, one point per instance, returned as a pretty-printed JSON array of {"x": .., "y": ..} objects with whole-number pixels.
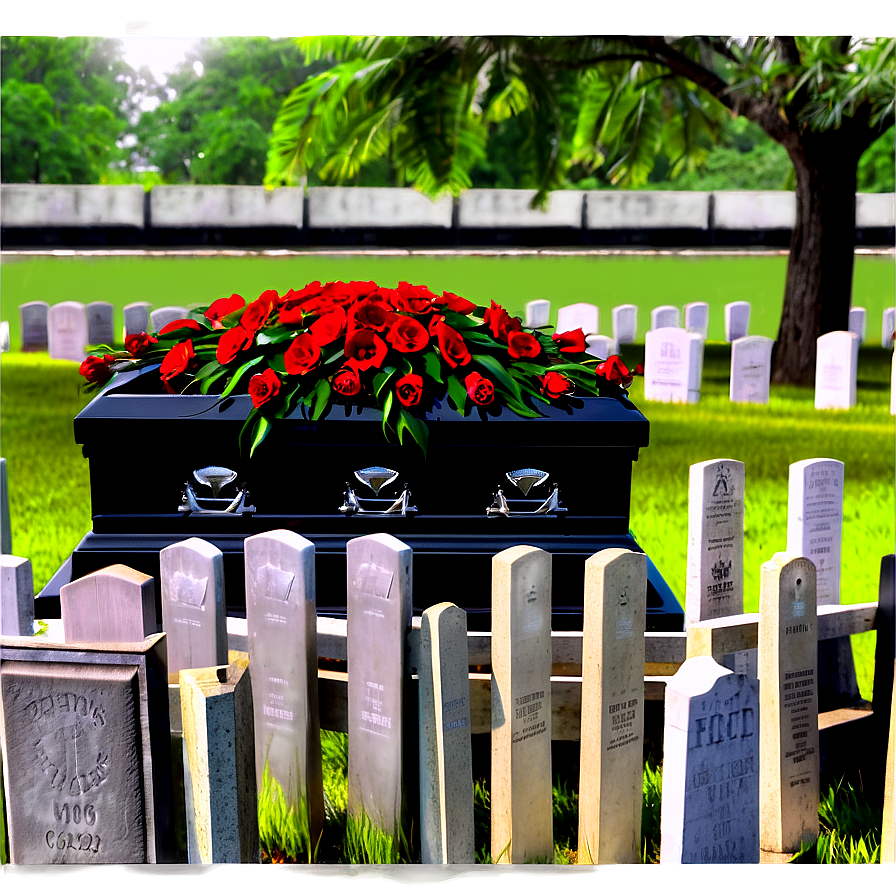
[{"x": 143, "y": 447}]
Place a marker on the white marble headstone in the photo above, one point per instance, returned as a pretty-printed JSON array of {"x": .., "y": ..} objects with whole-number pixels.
[
  {"x": 162, "y": 316},
  {"x": 696, "y": 318},
  {"x": 625, "y": 324},
  {"x": 857, "y": 320},
  {"x": 600, "y": 346},
  {"x": 737, "y": 320},
  {"x": 16, "y": 596},
  {"x": 664, "y": 316},
  {"x": 581, "y": 314},
  {"x": 136, "y": 318},
  {"x": 751, "y": 365},
  {"x": 67, "y": 331},
  {"x": 538, "y": 313},
  {"x": 888, "y": 326},
  {"x": 5, "y": 527},
  {"x": 33, "y": 316},
  {"x": 4, "y": 336},
  {"x": 835, "y": 370},
  {"x": 100, "y": 327},
  {"x": 673, "y": 364}
]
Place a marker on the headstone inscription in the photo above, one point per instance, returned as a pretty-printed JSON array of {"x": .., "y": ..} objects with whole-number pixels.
[
  {"x": 887, "y": 327},
  {"x": 5, "y": 527},
  {"x": 835, "y": 370},
  {"x": 582, "y": 315},
  {"x": 67, "y": 331},
  {"x": 673, "y": 363},
  {"x": 86, "y": 753},
  {"x": 100, "y": 323},
  {"x": 281, "y": 619},
  {"x": 711, "y": 766},
  {"x": 161, "y": 316},
  {"x": 16, "y": 597},
  {"x": 33, "y": 317},
  {"x": 446, "y": 759},
  {"x": 136, "y": 318},
  {"x": 751, "y": 364},
  {"x": 378, "y": 574},
  {"x": 600, "y": 346},
  {"x": 664, "y": 316},
  {"x": 521, "y": 798},
  {"x": 625, "y": 324},
  {"x": 612, "y": 738},
  {"x": 538, "y": 313},
  {"x": 218, "y": 732},
  {"x": 696, "y": 318},
  {"x": 788, "y": 715},
  {"x": 857, "y": 321},
  {"x": 737, "y": 320}
]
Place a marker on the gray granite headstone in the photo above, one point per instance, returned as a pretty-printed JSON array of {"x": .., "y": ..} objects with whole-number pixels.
[
  {"x": 664, "y": 316},
  {"x": 711, "y": 761},
  {"x": 100, "y": 323},
  {"x": 33, "y": 316},
  {"x": 751, "y": 365},
  {"x": 538, "y": 313},
  {"x": 379, "y": 618},
  {"x": 5, "y": 527},
  {"x": 16, "y": 597},
  {"x": 281, "y": 620},
  {"x": 67, "y": 331},
  {"x": 581, "y": 315},
  {"x": 136, "y": 318},
  {"x": 696, "y": 318},
  {"x": 857, "y": 319},
  {"x": 161, "y": 316},
  {"x": 625, "y": 324},
  {"x": 737, "y": 320}
]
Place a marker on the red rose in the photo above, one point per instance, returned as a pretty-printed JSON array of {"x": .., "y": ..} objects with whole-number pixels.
[
  {"x": 364, "y": 349},
  {"x": 97, "y": 370},
  {"x": 183, "y": 323},
  {"x": 328, "y": 327},
  {"x": 615, "y": 371},
  {"x": 570, "y": 341},
  {"x": 522, "y": 345},
  {"x": 499, "y": 321},
  {"x": 302, "y": 355},
  {"x": 409, "y": 389},
  {"x": 347, "y": 381},
  {"x": 374, "y": 314},
  {"x": 457, "y": 303},
  {"x": 407, "y": 334},
  {"x": 554, "y": 384},
  {"x": 138, "y": 343},
  {"x": 231, "y": 343},
  {"x": 434, "y": 322},
  {"x": 219, "y": 309},
  {"x": 258, "y": 312},
  {"x": 416, "y": 299},
  {"x": 452, "y": 346},
  {"x": 263, "y": 387},
  {"x": 179, "y": 360},
  {"x": 479, "y": 388},
  {"x": 308, "y": 300}
]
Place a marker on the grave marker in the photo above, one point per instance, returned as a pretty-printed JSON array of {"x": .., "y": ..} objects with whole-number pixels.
[
  {"x": 600, "y": 346},
  {"x": 33, "y": 316},
  {"x": 100, "y": 323},
  {"x": 162, "y": 316},
  {"x": 857, "y": 320},
  {"x": 521, "y": 797},
  {"x": 67, "y": 331},
  {"x": 673, "y": 363},
  {"x": 538, "y": 313},
  {"x": 5, "y": 527},
  {"x": 893, "y": 386},
  {"x": 4, "y": 336},
  {"x": 664, "y": 316},
  {"x": 446, "y": 760},
  {"x": 136, "y": 318},
  {"x": 696, "y": 318},
  {"x": 625, "y": 324},
  {"x": 751, "y": 366},
  {"x": 888, "y": 325},
  {"x": 788, "y": 715},
  {"x": 737, "y": 320},
  {"x": 16, "y": 597},
  {"x": 612, "y": 738},
  {"x": 580, "y": 314},
  {"x": 711, "y": 766},
  {"x": 835, "y": 370},
  {"x": 281, "y": 619}
]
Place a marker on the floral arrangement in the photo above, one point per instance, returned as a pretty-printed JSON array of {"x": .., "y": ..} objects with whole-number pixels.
[{"x": 402, "y": 350}]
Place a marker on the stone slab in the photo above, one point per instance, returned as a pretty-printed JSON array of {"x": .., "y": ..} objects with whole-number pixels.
[
  {"x": 33, "y": 317},
  {"x": 100, "y": 323},
  {"x": 226, "y": 206},
  {"x": 581, "y": 315},
  {"x": 625, "y": 324},
  {"x": 5, "y": 524},
  {"x": 512, "y": 209},
  {"x": 835, "y": 370},
  {"x": 857, "y": 322},
  {"x": 751, "y": 364},
  {"x": 754, "y": 209},
  {"x": 673, "y": 364},
  {"x": 136, "y": 318},
  {"x": 538, "y": 313},
  {"x": 376, "y": 207},
  {"x": 159, "y": 317},
  {"x": 67, "y": 331},
  {"x": 16, "y": 596},
  {"x": 60, "y": 205},
  {"x": 875, "y": 210},
  {"x": 737, "y": 320},
  {"x": 887, "y": 327},
  {"x": 4, "y": 336},
  {"x": 615, "y": 209},
  {"x": 696, "y": 318},
  {"x": 600, "y": 346},
  {"x": 664, "y": 316}
]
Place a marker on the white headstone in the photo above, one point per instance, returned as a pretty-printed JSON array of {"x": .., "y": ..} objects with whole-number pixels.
[
  {"x": 710, "y": 801},
  {"x": 67, "y": 331},
  {"x": 857, "y": 319},
  {"x": 100, "y": 327},
  {"x": 581, "y": 314},
  {"x": 625, "y": 324},
  {"x": 33, "y": 316},
  {"x": 893, "y": 386},
  {"x": 5, "y": 526},
  {"x": 162, "y": 316},
  {"x": 737, "y": 320},
  {"x": 446, "y": 758},
  {"x": 4, "y": 336},
  {"x": 673, "y": 364},
  {"x": 751, "y": 366},
  {"x": 888, "y": 828},
  {"x": 538, "y": 313},
  {"x": 664, "y": 316},
  {"x": 835, "y": 370},
  {"x": 16, "y": 597},
  {"x": 136, "y": 318},
  {"x": 696, "y": 318},
  {"x": 600, "y": 346},
  {"x": 888, "y": 326}
]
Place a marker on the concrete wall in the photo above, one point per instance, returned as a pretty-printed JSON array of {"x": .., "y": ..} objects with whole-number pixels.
[
  {"x": 754, "y": 209},
  {"x": 612, "y": 209},
  {"x": 375, "y": 207},
  {"x": 511, "y": 208},
  {"x": 226, "y": 206},
  {"x": 58, "y": 205}
]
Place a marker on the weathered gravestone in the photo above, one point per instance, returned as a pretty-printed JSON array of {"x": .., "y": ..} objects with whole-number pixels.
[
  {"x": 751, "y": 366},
  {"x": 538, "y": 313},
  {"x": 600, "y": 346},
  {"x": 113, "y": 604},
  {"x": 737, "y": 320},
  {"x": 625, "y": 324},
  {"x": 521, "y": 797},
  {"x": 281, "y": 619},
  {"x": 673, "y": 363},
  {"x": 582, "y": 315},
  {"x": 162, "y": 316},
  {"x": 16, "y": 597},
  {"x": 887, "y": 327},
  {"x": 67, "y": 331},
  {"x": 788, "y": 717},
  {"x": 857, "y": 321},
  {"x": 216, "y": 704},
  {"x": 612, "y": 738},
  {"x": 664, "y": 316},
  {"x": 136, "y": 318},
  {"x": 835, "y": 370},
  {"x": 379, "y": 618},
  {"x": 696, "y": 318},
  {"x": 711, "y": 766},
  {"x": 100, "y": 323},
  {"x": 5, "y": 527},
  {"x": 33, "y": 316},
  {"x": 446, "y": 760},
  {"x": 86, "y": 753}
]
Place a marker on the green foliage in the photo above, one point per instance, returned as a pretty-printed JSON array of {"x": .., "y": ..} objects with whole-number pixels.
[
  {"x": 877, "y": 171},
  {"x": 283, "y": 828},
  {"x": 650, "y": 814}
]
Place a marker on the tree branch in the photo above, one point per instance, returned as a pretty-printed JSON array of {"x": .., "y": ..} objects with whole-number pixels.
[{"x": 789, "y": 51}]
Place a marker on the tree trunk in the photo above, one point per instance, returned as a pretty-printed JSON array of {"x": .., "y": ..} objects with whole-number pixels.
[{"x": 819, "y": 271}]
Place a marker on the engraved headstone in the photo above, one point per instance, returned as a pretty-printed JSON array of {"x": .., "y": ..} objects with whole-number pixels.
[
  {"x": 538, "y": 313},
  {"x": 737, "y": 320},
  {"x": 16, "y": 596},
  {"x": 33, "y": 316},
  {"x": 582, "y": 315},
  {"x": 887, "y": 327},
  {"x": 600, "y": 346},
  {"x": 113, "y": 604},
  {"x": 612, "y": 739},
  {"x": 281, "y": 620},
  {"x": 100, "y": 323},
  {"x": 218, "y": 732},
  {"x": 521, "y": 798},
  {"x": 857, "y": 320},
  {"x": 379, "y": 617},
  {"x": 788, "y": 724},
  {"x": 193, "y": 609},
  {"x": 86, "y": 752},
  {"x": 664, "y": 316},
  {"x": 161, "y": 316},
  {"x": 696, "y": 318},
  {"x": 5, "y": 526},
  {"x": 673, "y": 365},
  {"x": 136, "y": 318},
  {"x": 751, "y": 365},
  {"x": 625, "y": 324},
  {"x": 67, "y": 331},
  {"x": 4, "y": 336},
  {"x": 446, "y": 760},
  {"x": 835, "y": 370}
]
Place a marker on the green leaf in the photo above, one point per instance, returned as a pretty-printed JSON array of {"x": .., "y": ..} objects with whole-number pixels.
[
  {"x": 480, "y": 337},
  {"x": 262, "y": 428},
  {"x": 238, "y": 375},
  {"x": 247, "y": 427},
  {"x": 277, "y": 364},
  {"x": 433, "y": 367},
  {"x": 418, "y": 429},
  {"x": 207, "y": 383},
  {"x": 494, "y": 366},
  {"x": 387, "y": 408},
  {"x": 208, "y": 369},
  {"x": 381, "y": 380},
  {"x": 516, "y": 406},
  {"x": 458, "y": 393},
  {"x": 321, "y": 397},
  {"x": 275, "y": 336}
]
